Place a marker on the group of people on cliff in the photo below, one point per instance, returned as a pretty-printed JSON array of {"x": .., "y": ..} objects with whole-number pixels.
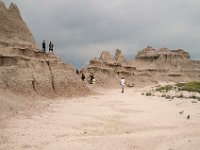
[{"x": 50, "y": 46}]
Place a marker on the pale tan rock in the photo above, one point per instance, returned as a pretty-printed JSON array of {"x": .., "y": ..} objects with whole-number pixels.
[
  {"x": 106, "y": 57},
  {"x": 13, "y": 30}
]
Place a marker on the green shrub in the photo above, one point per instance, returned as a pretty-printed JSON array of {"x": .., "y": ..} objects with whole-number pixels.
[{"x": 190, "y": 86}]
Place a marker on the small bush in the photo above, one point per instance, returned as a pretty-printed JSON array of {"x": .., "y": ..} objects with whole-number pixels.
[
  {"x": 194, "y": 97},
  {"x": 163, "y": 95},
  {"x": 180, "y": 96},
  {"x": 148, "y": 94}
]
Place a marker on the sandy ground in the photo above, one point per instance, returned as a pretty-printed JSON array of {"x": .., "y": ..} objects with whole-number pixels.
[{"x": 107, "y": 121}]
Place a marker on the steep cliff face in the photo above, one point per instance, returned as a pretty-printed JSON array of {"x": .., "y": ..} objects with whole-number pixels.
[
  {"x": 30, "y": 73},
  {"x": 14, "y": 31}
]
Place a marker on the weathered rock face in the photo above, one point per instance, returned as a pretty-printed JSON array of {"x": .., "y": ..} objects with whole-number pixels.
[
  {"x": 30, "y": 73},
  {"x": 14, "y": 31},
  {"x": 150, "y": 54},
  {"x": 162, "y": 59},
  {"x": 24, "y": 70},
  {"x": 108, "y": 70}
]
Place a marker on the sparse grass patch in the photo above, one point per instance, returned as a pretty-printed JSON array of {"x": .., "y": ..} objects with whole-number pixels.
[
  {"x": 190, "y": 86},
  {"x": 165, "y": 88},
  {"x": 176, "y": 91}
]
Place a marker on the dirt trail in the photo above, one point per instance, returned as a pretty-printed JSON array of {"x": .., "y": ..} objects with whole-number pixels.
[{"x": 108, "y": 121}]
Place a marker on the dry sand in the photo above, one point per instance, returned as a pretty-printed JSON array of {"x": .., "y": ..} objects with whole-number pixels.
[{"x": 107, "y": 121}]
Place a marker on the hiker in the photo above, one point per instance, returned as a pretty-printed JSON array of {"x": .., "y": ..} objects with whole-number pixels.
[
  {"x": 93, "y": 81},
  {"x": 83, "y": 76},
  {"x": 51, "y": 47},
  {"x": 43, "y": 46},
  {"x": 122, "y": 82},
  {"x": 91, "y": 78},
  {"x": 77, "y": 72}
]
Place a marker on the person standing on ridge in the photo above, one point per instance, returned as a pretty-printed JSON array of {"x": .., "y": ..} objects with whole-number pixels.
[
  {"x": 51, "y": 47},
  {"x": 43, "y": 46},
  {"x": 77, "y": 72},
  {"x": 122, "y": 82},
  {"x": 91, "y": 78},
  {"x": 83, "y": 76}
]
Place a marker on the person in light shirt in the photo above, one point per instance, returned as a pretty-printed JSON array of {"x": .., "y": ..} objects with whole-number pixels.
[{"x": 122, "y": 82}]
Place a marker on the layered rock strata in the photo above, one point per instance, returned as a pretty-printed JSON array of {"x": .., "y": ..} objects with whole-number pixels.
[
  {"x": 27, "y": 71},
  {"x": 150, "y": 66},
  {"x": 107, "y": 69}
]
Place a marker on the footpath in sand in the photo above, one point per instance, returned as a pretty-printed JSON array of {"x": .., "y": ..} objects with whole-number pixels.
[{"x": 107, "y": 121}]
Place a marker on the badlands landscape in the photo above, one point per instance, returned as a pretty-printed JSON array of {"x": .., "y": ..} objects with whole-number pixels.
[{"x": 46, "y": 106}]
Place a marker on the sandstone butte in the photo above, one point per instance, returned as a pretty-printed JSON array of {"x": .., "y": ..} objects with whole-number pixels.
[{"x": 28, "y": 71}]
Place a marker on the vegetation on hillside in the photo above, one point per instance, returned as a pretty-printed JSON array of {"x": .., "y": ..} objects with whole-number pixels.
[
  {"x": 193, "y": 87},
  {"x": 190, "y": 86}
]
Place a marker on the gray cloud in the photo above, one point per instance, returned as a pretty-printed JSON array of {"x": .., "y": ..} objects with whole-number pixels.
[{"x": 81, "y": 29}]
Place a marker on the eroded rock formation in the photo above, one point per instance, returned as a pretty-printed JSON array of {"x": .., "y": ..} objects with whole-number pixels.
[
  {"x": 150, "y": 66},
  {"x": 107, "y": 69},
  {"x": 119, "y": 57},
  {"x": 14, "y": 31},
  {"x": 27, "y": 71},
  {"x": 163, "y": 58}
]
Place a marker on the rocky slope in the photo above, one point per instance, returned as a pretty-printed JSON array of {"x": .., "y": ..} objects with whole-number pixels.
[{"x": 27, "y": 71}]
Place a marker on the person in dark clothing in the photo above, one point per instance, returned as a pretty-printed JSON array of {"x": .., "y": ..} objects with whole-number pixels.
[
  {"x": 43, "y": 46},
  {"x": 83, "y": 76},
  {"x": 91, "y": 78},
  {"x": 51, "y": 47},
  {"x": 77, "y": 72}
]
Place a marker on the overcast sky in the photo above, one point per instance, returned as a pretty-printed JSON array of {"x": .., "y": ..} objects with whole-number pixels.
[{"x": 82, "y": 29}]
